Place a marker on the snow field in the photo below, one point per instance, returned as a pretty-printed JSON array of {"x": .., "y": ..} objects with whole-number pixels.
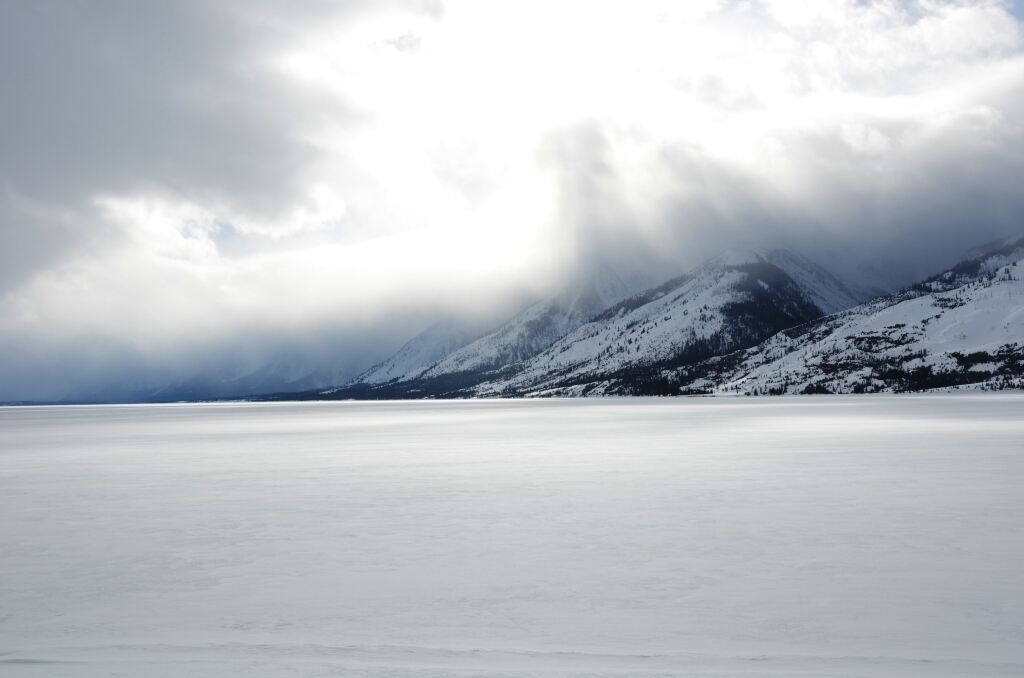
[{"x": 839, "y": 536}]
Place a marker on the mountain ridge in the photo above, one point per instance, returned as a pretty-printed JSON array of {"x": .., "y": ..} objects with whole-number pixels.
[
  {"x": 731, "y": 301},
  {"x": 760, "y": 322},
  {"x": 961, "y": 328}
]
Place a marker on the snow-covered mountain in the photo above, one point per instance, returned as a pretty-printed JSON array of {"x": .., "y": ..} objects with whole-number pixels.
[
  {"x": 535, "y": 329},
  {"x": 963, "y": 327},
  {"x": 823, "y": 289},
  {"x": 422, "y": 351},
  {"x": 751, "y": 322},
  {"x": 733, "y": 301},
  {"x": 439, "y": 362}
]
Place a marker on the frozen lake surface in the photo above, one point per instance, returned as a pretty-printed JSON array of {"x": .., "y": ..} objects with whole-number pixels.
[{"x": 834, "y": 536}]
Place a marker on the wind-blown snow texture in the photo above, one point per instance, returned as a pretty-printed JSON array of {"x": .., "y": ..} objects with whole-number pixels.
[{"x": 869, "y": 536}]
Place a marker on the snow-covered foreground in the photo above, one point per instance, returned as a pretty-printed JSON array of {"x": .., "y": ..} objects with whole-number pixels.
[{"x": 832, "y": 536}]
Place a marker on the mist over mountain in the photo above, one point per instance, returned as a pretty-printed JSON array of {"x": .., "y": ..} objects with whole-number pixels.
[
  {"x": 594, "y": 329},
  {"x": 223, "y": 199},
  {"x": 751, "y": 322}
]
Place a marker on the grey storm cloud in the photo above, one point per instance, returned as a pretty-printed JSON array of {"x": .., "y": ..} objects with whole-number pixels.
[
  {"x": 122, "y": 96},
  {"x": 253, "y": 192}
]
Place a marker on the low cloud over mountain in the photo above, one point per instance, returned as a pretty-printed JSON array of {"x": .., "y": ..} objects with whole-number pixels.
[{"x": 247, "y": 196}]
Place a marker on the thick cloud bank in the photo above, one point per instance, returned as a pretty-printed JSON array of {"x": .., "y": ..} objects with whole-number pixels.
[{"x": 201, "y": 192}]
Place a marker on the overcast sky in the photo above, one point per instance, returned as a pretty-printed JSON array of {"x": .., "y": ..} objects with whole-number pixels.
[{"x": 188, "y": 184}]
